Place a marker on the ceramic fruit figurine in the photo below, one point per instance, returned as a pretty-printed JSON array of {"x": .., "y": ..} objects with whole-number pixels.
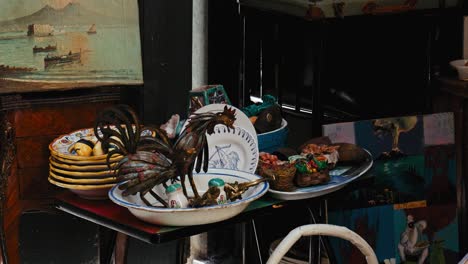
[{"x": 82, "y": 147}]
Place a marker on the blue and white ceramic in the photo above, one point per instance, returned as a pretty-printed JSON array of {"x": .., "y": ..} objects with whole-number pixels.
[
  {"x": 192, "y": 216},
  {"x": 233, "y": 149}
]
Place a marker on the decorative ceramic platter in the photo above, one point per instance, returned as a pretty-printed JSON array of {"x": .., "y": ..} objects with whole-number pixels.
[
  {"x": 90, "y": 167},
  {"x": 70, "y": 180},
  {"x": 72, "y": 186},
  {"x": 241, "y": 119},
  {"x": 86, "y": 162},
  {"x": 233, "y": 149},
  {"x": 340, "y": 177},
  {"x": 60, "y": 146},
  {"x": 83, "y": 174},
  {"x": 192, "y": 216}
]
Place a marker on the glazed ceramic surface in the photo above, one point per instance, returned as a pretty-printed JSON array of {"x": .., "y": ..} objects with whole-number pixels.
[
  {"x": 234, "y": 149},
  {"x": 272, "y": 140},
  {"x": 97, "y": 194},
  {"x": 83, "y": 174},
  {"x": 71, "y": 180},
  {"x": 462, "y": 69},
  {"x": 60, "y": 146},
  {"x": 72, "y": 186},
  {"x": 241, "y": 119},
  {"x": 89, "y": 167},
  {"x": 340, "y": 177},
  {"x": 86, "y": 162},
  {"x": 192, "y": 216}
]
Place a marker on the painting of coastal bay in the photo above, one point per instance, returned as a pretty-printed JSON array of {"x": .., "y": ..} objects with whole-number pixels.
[{"x": 66, "y": 44}]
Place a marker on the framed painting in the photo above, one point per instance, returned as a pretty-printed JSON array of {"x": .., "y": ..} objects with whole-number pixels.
[
  {"x": 65, "y": 44},
  {"x": 406, "y": 205}
]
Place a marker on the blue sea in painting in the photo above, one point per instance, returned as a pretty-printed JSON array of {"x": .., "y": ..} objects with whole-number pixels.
[{"x": 110, "y": 55}]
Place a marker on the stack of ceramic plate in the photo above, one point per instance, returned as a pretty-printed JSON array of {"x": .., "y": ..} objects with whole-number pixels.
[{"x": 87, "y": 176}]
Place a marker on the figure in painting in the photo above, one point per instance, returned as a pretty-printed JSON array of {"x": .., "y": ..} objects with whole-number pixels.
[
  {"x": 410, "y": 241},
  {"x": 394, "y": 126}
]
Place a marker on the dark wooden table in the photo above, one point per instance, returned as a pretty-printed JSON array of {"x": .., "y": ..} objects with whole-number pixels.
[{"x": 119, "y": 220}]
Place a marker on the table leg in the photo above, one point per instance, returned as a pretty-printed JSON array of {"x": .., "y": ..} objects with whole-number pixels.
[
  {"x": 112, "y": 246},
  {"x": 120, "y": 251},
  {"x": 106, "y": 241},
  {"x": 256, "y": 241}
]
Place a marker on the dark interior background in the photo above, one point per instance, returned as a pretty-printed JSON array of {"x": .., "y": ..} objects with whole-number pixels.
[{"x": 342, "y": 70}]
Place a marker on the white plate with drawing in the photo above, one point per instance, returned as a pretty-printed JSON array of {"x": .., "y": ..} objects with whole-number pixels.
[
  {"x": 241, "y": 119},
  {"x": 234, "y": 149}
]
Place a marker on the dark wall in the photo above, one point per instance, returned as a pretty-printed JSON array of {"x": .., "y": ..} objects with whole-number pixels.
[
  {"x": 166, "y": 33},
  {"x": 348, "y": 69}
]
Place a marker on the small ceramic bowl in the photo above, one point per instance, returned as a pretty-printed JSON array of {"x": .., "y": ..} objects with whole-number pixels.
[
  {"x": 271, "y": 141},
  {"x": 462, "y": 69}
]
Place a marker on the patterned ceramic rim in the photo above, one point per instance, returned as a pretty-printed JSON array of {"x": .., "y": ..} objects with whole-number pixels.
[
  {"x": 245, "y": 140},
  {"x": 60, "y": 145},
  {"x": 260, "y": 190},
  {"x": 242, "y": 120},
  {"x": 284, "y": 124}
]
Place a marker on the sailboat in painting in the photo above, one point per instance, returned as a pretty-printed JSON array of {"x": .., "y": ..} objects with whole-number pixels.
[{"x": 92, "y": 29}]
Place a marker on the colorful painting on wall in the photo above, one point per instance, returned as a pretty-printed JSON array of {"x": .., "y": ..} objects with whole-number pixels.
[
  {"x": 407, "y": 233},
  {"x": 411, "y": 188},
  {"x": 56, "y": 44}
]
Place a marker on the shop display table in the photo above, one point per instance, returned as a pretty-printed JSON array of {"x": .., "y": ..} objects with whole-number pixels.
[
  {"x": 118, "y": 223},
  {"x": 115, "y": 217}
]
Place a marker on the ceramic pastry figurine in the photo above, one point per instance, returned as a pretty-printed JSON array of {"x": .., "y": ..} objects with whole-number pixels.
[
  {"x": 82, "y": 147},
  {"x": 176, "y": 197},
  {"x": 217, "y": 182},
  {"x": 97, "y": 149}
]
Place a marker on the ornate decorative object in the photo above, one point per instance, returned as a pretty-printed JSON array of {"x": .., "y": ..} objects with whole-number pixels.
[
  {"x": 7, "y": 155},
  {"x": 153, "y": 159}
]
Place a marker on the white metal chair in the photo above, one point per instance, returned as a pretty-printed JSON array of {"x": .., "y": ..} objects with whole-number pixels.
[{"x": 326, "y": 230}]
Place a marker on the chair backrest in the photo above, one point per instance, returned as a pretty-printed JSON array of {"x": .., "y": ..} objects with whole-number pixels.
[{"x": 325, "y": 230}]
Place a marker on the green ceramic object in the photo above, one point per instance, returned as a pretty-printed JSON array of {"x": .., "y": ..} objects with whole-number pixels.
[
  {"x": 216, "y": 182},
  {"x": 172, "y": 188},
  {"x": 254, "y": 109}
]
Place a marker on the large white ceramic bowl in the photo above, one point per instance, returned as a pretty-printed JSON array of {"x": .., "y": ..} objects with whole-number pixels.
[
  {"x": 192, "y": 216},
  {"x": 462, "y": 69}
]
